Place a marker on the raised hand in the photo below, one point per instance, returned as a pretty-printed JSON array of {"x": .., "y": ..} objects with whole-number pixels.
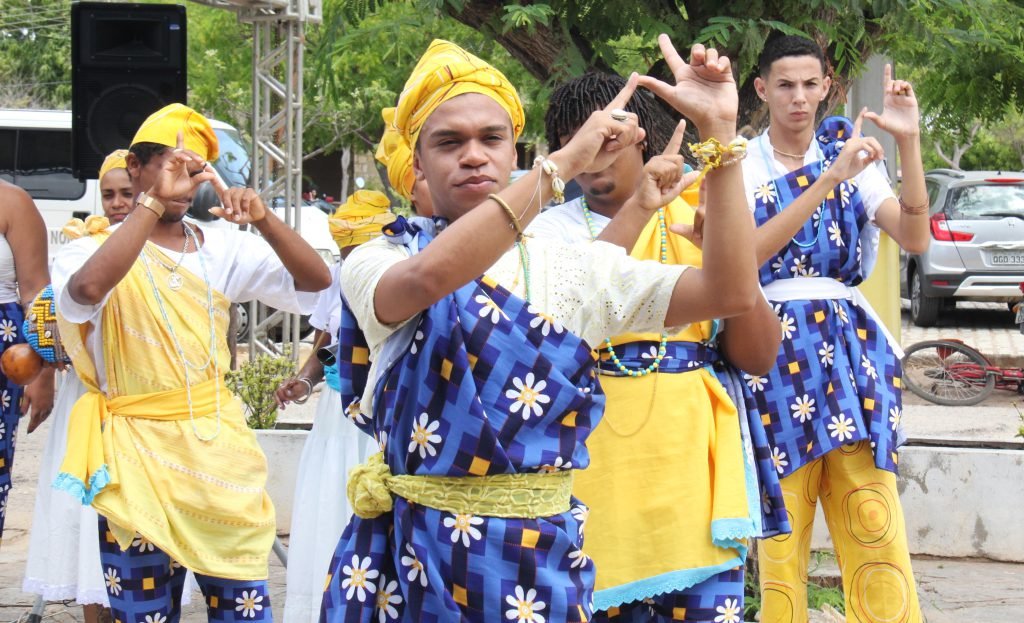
[
  {"x": 240, "y": 205},
  {"x": 857, "y": 153},
  {"x": 899, "y": 116},
  {"x": 605, "y": 133},
  {"x": 705, "y": 90},
  {"x": 182, "y": 172},
  {"x": 663, "y": 178}
]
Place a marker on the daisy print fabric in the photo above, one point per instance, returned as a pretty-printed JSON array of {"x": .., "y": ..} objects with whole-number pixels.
[
  {"x": 836, "y": 380},
  {"x": 488, "y": 385},
  {"x": 10, "y": 397}
]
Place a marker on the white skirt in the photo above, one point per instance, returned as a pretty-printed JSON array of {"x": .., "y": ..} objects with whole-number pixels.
[
  {"x": 64, "y": 544},
  {"x": 321, "y": 509}
]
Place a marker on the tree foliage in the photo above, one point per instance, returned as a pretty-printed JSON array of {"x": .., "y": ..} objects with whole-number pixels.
[{"x": 35, "y": 54}]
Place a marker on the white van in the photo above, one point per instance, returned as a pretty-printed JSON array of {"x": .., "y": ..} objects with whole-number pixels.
[{"x": 35, "y": 154}]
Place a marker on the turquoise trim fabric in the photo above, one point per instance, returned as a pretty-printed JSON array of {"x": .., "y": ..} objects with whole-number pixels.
[
  {"x": 85, "y": 494},
  {"x": 659, "y": 584}
]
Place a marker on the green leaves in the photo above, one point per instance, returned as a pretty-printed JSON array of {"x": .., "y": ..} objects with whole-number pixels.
[
  {"x": 526, "y": 16},
  {"x": 255, "y": 382}
]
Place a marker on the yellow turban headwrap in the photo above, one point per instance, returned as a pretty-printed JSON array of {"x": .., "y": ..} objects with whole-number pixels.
[
  {"x": 360, "y": 218},
  {"x": 162, "y": 128},
  {"x": 395, "y": 154},
  {"x": 114, "y": 161},
  {"x": 444, "y": 71}
]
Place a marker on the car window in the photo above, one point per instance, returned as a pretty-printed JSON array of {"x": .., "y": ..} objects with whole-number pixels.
[
  {"x": 7, "y": 143},
  {"x": 986, "y": 202},
  {"x": 933, "y": 191},
  {"x": 233, "y": 163},
  {"x": 43, "y": 165}
]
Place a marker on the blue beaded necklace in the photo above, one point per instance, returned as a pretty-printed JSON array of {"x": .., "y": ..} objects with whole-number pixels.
[
  {"x": 663, "y": 231},
  {"x": 821, "y": 209}
]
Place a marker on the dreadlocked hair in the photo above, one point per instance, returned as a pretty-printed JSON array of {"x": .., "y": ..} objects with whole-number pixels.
[{"x": 572, "y": 103}]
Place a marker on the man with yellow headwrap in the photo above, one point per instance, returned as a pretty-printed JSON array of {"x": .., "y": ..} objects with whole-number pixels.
[
  {"x": 473, "y": 348},
  {"x": 394, "y": 153},
  {"x": 158, "y": 445},
  {"x": 334, "y": 445}
]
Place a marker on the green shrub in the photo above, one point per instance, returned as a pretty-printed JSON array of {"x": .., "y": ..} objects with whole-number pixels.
[{"x": 255, "y": 381}]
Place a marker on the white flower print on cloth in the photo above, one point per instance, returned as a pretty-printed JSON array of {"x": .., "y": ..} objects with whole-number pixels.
[
  {"x": 754, "y": 382},
  {"x": 249, "y": 603},
  {"x": 835, "y": 234},
  {"x": 816, "y": 217},
  {"x": 527, "y": 396},
  {"x": 489, "y": 309},
  {"x": 8, "y": 330},
  {"x": 841, "y": 312},
  {"x": 357, "y": 578},
  {"x": 354, "y": 412},
  {"x": 558, "y": 465},
  {"x": 799, "y": 266},
  {"x": 580, "y": 513},
  {"x": 144, "y": 544},
  {"x": 809, "y": 271},
  {"x": 845, "y": 190},
  {"x": 5, "y": 399},
  {"x": 578, "y": 558},
  {"x": 416, "y": 571},
  {"x": 546, "y": 322},
  {"x": 841, "y": 427},
  {"x": 3, "y": 508},
  {"x": 895, "y": 415},
  {"x": 382, "y": 440},
  {"x": 463, "y": 527},
  {"x": 113, "y": 581},
  {"x": 387, "y": 600},
  {"x": 788, "y": 326},
  {"x": 525, "y": 607},
  {"x": 765, "y": 193},
  {"x": 729, "y": 612},
  {"x": 826, "y": 352},
  {"x": 803, "y": 408},
  {"x": 424, "y": 437},
  {"x": 779, "y": 459},
  {"x": 869, "y": 368},
  {"x": 778, "y": 264},
  {"x": 3, "y": 429},
  {"x": 156, "y": 617},
  {"x": 416, "y": 341}
]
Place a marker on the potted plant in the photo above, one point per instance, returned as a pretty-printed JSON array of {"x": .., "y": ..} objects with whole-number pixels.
[{"x": 254, "y": 382}]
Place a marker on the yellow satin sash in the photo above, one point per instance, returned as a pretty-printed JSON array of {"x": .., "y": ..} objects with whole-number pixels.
[{"x": 136, "y": 450}]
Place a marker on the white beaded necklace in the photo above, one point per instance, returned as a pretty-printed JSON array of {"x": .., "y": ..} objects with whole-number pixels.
[{"x": 186, "y": 364}]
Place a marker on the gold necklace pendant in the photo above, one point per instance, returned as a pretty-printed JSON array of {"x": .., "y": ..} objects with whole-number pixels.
[
  {"x": 782, "y": 153},
  {"x": 174, "y": 281}
]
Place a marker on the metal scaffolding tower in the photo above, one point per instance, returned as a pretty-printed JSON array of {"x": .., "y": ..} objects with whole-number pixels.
[{"x": 279, "y": 28}]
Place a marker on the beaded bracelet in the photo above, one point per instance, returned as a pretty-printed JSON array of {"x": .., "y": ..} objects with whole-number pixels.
[
  {"x": 713, "y": 154},
  {"x": 557, "y": 183},
  {"x": 913, "y": 210},
  {"x": 513, "y": 220}
]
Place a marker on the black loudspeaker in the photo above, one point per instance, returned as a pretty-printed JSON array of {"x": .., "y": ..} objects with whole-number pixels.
[{"x": 127, "y": 62}]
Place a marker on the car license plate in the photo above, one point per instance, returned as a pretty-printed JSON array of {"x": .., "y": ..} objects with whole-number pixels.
[{"x": 1008, "y": 259}]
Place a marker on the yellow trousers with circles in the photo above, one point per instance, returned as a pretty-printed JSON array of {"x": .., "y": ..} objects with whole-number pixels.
[{"x": 862, "y": 509}]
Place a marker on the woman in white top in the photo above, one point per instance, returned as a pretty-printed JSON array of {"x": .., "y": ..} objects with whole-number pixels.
[{"x": 23, "y": 274}]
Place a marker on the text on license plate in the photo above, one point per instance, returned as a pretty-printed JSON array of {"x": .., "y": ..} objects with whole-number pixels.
[{"x": 1007, "y": 259}]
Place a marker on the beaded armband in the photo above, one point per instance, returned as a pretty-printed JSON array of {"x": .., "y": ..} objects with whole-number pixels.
[
  {"x": 713, "y": 154},
  {"x": 557, "y": 183},
  {"x": 40, "y": 328}
]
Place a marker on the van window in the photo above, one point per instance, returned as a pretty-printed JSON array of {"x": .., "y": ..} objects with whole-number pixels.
[
  {"x": 8, "y": 139},
  {"x": 43, "y": 165}
]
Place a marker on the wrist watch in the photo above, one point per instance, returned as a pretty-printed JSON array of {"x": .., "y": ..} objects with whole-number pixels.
[{"x": 151, "y": 204}]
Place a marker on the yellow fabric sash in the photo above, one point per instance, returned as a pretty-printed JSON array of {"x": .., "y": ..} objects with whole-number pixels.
[
  {"x": 201, "y": 502},
  {"x": 529, "y": 495}
]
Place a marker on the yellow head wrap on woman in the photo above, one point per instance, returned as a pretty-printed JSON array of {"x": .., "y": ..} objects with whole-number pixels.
[
  {"x": 360, "y": 218},
  {"x": 162, "y": 128},
  {"x": 115, "y": 160},
  {"x": 444, "y": 71}
]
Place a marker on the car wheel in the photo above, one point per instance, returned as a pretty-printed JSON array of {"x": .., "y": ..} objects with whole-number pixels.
[
  {"x": 924, "y": 310},
  {"x": 242, "y": 320}
]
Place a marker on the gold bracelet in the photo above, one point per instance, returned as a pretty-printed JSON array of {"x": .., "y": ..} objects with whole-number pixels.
[
  {"x": 513, "y": 220},
  {"x": 557, "y": 184},
  {"x": 151, "y": 204},
  {"x": 913, "y": 210},
  {"x": 713, "y": 154}
]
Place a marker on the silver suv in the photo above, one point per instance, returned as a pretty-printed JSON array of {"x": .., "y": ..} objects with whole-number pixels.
[{"x": 977, "y": 247}]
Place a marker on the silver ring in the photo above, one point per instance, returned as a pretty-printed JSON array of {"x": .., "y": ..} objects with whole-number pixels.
[{"x": 618, "y": 114}]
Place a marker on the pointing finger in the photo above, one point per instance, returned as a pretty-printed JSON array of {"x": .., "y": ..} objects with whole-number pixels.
[
  {"x": 621, "y": 99},
  {"x": 668, "y": 51},
  {"x": 887, "y": 76},
  {"x": 675, "y": 143},
  {"x": 181, "y": 140},
  {"x": 859, "y": 122},
  {"x": 659, "y": 88}
]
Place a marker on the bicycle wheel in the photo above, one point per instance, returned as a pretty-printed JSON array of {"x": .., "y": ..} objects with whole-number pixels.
[{"x": 947, "y": 373}]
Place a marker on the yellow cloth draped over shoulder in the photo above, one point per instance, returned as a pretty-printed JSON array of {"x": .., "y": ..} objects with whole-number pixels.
[
  {"x": 666, "y": 460},
  {"x": 134, "y": 450}
]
